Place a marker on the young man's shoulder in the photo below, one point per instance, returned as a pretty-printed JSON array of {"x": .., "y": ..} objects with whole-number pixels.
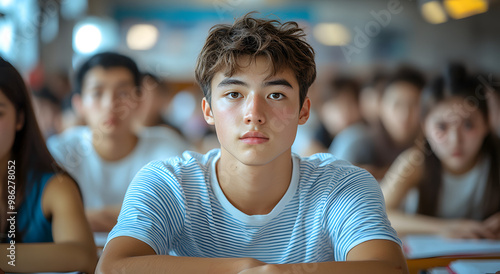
[
  {"x": 327, "y": 161},
  {"x": 71, "y": 135},
  {"x": 325, "y": 168},
  {"x": 78, "y": 138}
]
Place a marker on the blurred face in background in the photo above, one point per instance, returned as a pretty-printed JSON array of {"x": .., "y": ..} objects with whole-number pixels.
[
  {"x": 108, "y": 100},
  {"x": 369, "y": 101},
  {"x": 154, "y": 99},
  {"x": 48, "y": 116},
  {"x": 399, "y": 111},
  {"x": 340, "y": 112},
  {"x": 456, "y": 136}
]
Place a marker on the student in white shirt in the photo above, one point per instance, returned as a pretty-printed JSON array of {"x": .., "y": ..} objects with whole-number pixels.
[
  {"x": 449, "y": 183},
  {"x": 105, "y": 155}
]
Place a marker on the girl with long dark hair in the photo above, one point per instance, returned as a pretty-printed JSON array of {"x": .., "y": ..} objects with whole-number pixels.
[
  {"x": 42, "y": 222},
  {"x": 449, "y": 182}
]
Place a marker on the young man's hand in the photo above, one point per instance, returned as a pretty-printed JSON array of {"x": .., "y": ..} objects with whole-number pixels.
[{"x": 266, "y": 268}]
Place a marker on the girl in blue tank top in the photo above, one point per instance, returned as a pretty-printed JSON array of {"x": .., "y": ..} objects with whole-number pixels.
[{"x": 42, "y": 222}]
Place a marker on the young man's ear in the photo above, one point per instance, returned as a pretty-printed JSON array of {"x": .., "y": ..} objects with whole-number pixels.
[
  {"x": 304, "y": 111},
  {"x": 76, "y": 102},
  {"x": 207, "y": 112}
]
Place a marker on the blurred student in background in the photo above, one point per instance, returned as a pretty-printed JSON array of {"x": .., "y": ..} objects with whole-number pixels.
[
  {"x": 105, "y": 155},
  {"x": 339, "y": 109},
  {"x": 154, "y": 101},
  {"x": 49, "y": 231},
  {"x": 48, "y": 111},
  {"x": 369, "y": 109},
  {"x": 369, "y": 99},
  {"x": 493, "y": 87},
  {"x": 397, "y": 129},
  {"x": 449, "y": 184}
]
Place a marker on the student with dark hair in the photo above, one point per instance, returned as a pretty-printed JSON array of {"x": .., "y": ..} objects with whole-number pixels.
[
  {"x": 397, "y": 129},
  {"x": 338, "y": 111},
  {"x": 370, "y": 97},
  {"x": 449, "y": 183},
  {"x": 42, "y": 219},
  {"x": 154, "y": 102},
  {"x": 492, "y": 85},
  {"x": 105, "y": 155},
  {"x": 47, "y": 111},
  {"x": 252, "y": 206}
]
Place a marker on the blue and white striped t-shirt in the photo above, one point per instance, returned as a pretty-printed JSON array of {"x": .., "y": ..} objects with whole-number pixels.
[{"x": 178, "y": 208}]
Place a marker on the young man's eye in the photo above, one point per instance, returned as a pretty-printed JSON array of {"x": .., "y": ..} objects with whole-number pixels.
[
  {"x": 276, "y": 96},
  {"x": 468, "y": 124},
  {"x": 233, "y": 95},
  {"x": 441, "y": 126},
  {"x": 96, "y": 94},
  {"x": 123, "y": 93}
]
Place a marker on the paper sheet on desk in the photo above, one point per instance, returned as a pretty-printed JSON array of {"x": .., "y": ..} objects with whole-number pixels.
[
  {"x": 475, "y": 266},
  {"x": 426, "y": 246}
]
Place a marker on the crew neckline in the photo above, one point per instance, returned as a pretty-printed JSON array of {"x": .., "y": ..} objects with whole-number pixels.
[{"x": 254, "y": 220}]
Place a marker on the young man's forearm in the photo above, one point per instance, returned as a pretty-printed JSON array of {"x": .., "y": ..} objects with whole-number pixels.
[
  {"x": 49, "y": 257},
  {"x": 372, "y": 267},
  {"x": 158, "y": 263},
  {"x": 174, "y": 264}
]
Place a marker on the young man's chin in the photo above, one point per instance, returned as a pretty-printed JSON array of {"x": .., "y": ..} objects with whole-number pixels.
[{"x": 110, "y": 131}]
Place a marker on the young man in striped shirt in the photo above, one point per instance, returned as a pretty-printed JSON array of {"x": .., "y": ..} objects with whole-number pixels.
[{"x": 252, "y": 206}]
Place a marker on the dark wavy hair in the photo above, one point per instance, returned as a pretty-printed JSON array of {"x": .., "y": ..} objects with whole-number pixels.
[
  {"x": 455, "y": 82},
  {"x": 283, "y": 45}
]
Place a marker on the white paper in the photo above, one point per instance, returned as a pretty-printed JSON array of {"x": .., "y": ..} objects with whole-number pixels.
[
  {"x": 426, "y": 246},
  {"x": 475, "y": 266}
]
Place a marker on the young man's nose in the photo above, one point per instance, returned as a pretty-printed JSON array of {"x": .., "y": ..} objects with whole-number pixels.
[
  {"x": 254, "y": 112},
  {"x": 455, "y": 136},
  {"x": 111, "y": 101}
]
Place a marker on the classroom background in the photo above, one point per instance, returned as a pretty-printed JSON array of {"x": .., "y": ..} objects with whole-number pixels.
[
  {"x": 47, "y": 40},
  {"x": 360, "y": 46}
]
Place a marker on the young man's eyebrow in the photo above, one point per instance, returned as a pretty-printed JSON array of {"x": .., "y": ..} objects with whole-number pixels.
[
  {"x": 3, "y": 104},
  {"x": 231, "y": 81},
  {"x": 278, "y": 82},
  {"x": 125, "y": 84}
]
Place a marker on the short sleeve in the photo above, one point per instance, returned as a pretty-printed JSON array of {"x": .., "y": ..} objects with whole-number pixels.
[
  {"x": 152, "y": 210},
  {"x": 355, "y": 213}
]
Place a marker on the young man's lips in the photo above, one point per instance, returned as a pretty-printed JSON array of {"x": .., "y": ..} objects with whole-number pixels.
[
  {"x": 254, "y": 137},
  {"x": 111, "y": 121}
]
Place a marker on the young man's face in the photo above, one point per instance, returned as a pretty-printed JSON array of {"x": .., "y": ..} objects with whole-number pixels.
[
  {"x": 108, "y": 100},
  {"x": 255, "y": 114}
]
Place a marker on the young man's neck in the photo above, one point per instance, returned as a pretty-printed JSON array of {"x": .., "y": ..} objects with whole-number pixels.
[
  {"x": 254, "y": 190},
  {"x": 114, "y": 148}
]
